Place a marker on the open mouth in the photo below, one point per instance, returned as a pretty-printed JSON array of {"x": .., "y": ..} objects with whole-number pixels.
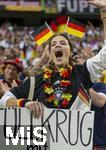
[{"x": 58, "y": 54}]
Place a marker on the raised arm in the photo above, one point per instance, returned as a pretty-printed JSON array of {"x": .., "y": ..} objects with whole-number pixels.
[
  {"x": 97, "y": 64},
  {"x": 98, "y": 3},
  {"x": 101, "y": 4}
]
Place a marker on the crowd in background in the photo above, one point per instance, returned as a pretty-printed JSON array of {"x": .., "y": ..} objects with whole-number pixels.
[
  {"x": 20, "y": 57},
  {"x": 16, "y": 42}
]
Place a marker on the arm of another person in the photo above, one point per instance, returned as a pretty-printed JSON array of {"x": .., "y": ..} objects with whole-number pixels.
[
  {"x": 98, "y": 99},
  {"x": 97, "y": 64}
]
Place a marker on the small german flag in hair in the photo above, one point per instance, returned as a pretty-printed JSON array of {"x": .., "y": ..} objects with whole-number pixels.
[
  {"x": 42, "y": 34},
  {"x": 75, "y": 28}
]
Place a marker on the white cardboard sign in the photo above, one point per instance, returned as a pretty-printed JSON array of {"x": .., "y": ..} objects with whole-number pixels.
[{"x": 68, "y": 129}]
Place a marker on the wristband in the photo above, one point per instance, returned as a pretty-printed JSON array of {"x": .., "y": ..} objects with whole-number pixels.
[{"x": 21, "y": 102}]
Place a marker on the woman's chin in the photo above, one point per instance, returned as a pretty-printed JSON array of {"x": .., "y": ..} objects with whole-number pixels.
[{"x": 60, "y": 63}]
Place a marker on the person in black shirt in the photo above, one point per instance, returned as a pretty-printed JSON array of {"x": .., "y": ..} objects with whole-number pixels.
[{"x": 60, "y": 85}]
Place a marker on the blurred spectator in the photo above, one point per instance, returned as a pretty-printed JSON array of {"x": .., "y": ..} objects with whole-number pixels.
[
  {"x": 2, "y": 53},
  {"x": 39, "y": 51},
  {"x": 11, "y": 69},
  {"x": 99, "y": 106},
  {"x": 39, "y": 62},
  {"x": 9, "y": 53}
]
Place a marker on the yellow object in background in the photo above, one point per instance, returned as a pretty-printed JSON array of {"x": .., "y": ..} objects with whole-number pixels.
[{"x": 103, "y": 78}]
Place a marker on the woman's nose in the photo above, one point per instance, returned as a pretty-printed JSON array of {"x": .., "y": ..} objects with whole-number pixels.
[
  {"x": 58, "y": 45},
  {"x": 10, "y": 70}
]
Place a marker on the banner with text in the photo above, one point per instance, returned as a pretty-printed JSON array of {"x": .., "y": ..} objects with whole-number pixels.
[
  {"x": 76, "y": 6},
  {"x": 59, "y": 129},
  {"x": 21, "y": 5}
]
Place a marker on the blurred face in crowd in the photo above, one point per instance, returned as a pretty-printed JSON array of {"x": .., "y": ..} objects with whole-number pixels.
[
  {"x": 10, "y": 72},
  {"x": 39, "y": 50},
  {"x": 2, "y": 50},
  {"x": 9, "y": 53},
  {"x": 60, "y": 50}
]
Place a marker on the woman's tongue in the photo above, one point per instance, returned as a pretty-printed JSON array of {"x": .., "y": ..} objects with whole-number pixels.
[{"x": 58, "y": 54}]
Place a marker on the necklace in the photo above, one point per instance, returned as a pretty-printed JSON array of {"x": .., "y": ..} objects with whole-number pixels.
[{"x": 58, "y": 93}]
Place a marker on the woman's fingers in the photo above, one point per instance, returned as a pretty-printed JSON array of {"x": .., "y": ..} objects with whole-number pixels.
[
  {"x": 36, "y": 111},
  {"x": 36, "y": 108},
  {"x": 98, "y": 3}
]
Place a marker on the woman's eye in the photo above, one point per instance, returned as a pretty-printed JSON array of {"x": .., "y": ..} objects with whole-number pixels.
[
  {"x": 63, "y": 43},
  {"x": 53, "y": 44}
]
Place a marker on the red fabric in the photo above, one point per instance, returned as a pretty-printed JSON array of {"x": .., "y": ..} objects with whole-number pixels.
[
  {"x": 98, "y": 148},
  {"x": 17, "y": 62}
]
